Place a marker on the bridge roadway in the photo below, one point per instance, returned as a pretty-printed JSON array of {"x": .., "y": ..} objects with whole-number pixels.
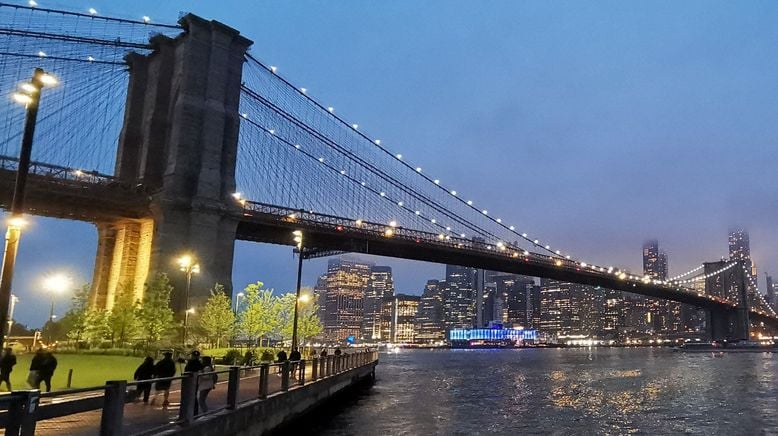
[
  {"x": 66, "y": 193},
  {"x": 140, "y": 418}
]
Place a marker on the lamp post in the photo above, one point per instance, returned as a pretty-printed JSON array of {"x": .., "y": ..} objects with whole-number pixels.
[
  {"x": 29, "y": 95},
  {"x": 189, "y": 266},
  {"x": 298, "y": 238},
  {"x": 237, "y": 301},
  {"x": 14, "y": 300},
  {"x": 55, "y": 285},
  {"x": 187, "y": 312}
]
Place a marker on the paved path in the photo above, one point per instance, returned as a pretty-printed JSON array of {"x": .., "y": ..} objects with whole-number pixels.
[{"x": 140, "y": 417}]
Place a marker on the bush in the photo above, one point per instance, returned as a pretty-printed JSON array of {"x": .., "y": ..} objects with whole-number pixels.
[
  {"x": 231, "y": 357},
  {"x": 267, "y": 356}
]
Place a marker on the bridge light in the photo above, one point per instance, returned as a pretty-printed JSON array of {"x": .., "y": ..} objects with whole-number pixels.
[
  {"x": 526, "y": 253},
  {"x": 358, "y": 222},
  {"x": 515, "y": 254},
  {"x": 292, "y": 216},
  {"x": 32, "y": 3},
  {"x": 400, "y": 203},
  {"x": 297, "y": 146},
  {"x": 303, "y": 90},
  {"x": 583, "y": 264},
  {"x": 383, "y": 194},
  {"x": 388, "y": 233},
  {"x": 567, "y": 257},
  {"x": 499, "y": 220},
  {"x": 272, "y": 131},
  {"x": 436, "y": 181},
  {"x": 418, "y": 212},
  {"x": 321, "y": 159},
  {"x": 512, "y": 228},
  {"x": 622, "y": 276},
  {"x": 558, "y": 263},
  {"x": 433, "y": 220},
  {"x": 93, "y": 11},
  {"x": 392, "y": 223},
  {"x": 92, "y": 59},
  {"x": 331, "y": 109},
  {"x": 485, "y": 212},
  {"x": 441, "y": 236},
  {"x": 78, "y": 173},
  {"x": 461, "y": 235},
  {"x": 355, "y": 126},
  {"x": 448, "y": 228},
  {"x": 17, "y": 222},
  {"x": 418, "y": 169},
  {"x": 146, "y": 19},
  {"x": 236, "y": 195},
  {"x": 42, "y": 54},
  {"x": 244, "y": 114},
  {"x": 377, "y": 142},
  {"x": 343, "y": 172},
  {"x": 469, "y": 202},
  {"x": 273, "y": 69},
  {"x": 548, "y": 247},
  {"x": 48, "y": 79},
  {"x": 536, "y": 241},
  {"x": 398, "y": 156}
]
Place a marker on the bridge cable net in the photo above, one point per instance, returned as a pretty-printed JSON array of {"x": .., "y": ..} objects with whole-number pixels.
[
  {"x": 294, "y": 152},
  {"x": 80, "y": 118}
]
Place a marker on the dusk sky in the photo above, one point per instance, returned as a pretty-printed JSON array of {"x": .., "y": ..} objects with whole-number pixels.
[{"x": 594, "y": 125}]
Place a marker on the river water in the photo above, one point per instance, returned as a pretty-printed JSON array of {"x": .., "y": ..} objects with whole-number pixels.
[{"x": 560, "y": 391}]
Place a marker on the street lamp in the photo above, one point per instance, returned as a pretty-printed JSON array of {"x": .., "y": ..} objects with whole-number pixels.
[
  {"x": 298, "y": 238},
  {"x": 14, "y": 300},
  {"x": 29, "y": 95},
  {"x": 189, "y": 266},
  {"x": 237, "y": 301},
  {"x": 55, "y": 284},
  {"x": 187, "y": 312}
]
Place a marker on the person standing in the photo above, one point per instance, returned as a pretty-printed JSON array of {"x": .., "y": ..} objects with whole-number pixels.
[
  {"x": 206, "y": 383},
  {"x": 47, "y": 368},
  {"x": 144, "y": 372},
  {"x": 7, "y": 363},
  {"x": 194, "y": 364},
  {"x": 294, "y": 357},
  {"x": 166, "y": 367}
]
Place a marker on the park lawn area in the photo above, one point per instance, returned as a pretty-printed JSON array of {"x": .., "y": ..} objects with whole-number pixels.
[{"x": 88, "y": 370}]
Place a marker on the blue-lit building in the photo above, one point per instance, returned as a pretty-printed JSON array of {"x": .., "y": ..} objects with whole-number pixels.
[{"x": 492, "y": 337}]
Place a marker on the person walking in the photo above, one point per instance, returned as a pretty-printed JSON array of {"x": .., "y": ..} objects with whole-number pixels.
[
  {"x": 323, "y": 352},
  {"x": 144, "y": 372},
  {"x": 294, "y": 357},
  {"x": 206, "y": 383},
  {"x": 280, "y": 358},
  {"x": 7, "y": 363},
  {"x": 166, "y": 367},
  {"x": 194, "y": 364},
  {"x": 46, "y": 371}
]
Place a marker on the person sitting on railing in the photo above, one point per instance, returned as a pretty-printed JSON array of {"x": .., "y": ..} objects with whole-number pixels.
[
  {"x": 205, "y": 383},
  {"x": 144, "y": 372},
  {"x": 294, "y": 357},
  {"x": 163, "y": 369}
]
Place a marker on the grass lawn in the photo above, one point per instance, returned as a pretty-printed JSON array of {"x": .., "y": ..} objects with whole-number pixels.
[{"x": 88, "y": 370}]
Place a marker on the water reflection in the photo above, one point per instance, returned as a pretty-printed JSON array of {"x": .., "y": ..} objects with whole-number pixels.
[{"x": 584, "y": 391}]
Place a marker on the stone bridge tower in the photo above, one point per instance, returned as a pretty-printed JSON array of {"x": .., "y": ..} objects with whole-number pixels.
[{"x": 179, "y": 141}]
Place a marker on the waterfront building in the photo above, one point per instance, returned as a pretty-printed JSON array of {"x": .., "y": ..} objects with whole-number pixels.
[
  {"x": 404, "y": 310},
  {"x": 344, "y": 290},
  {"x": 459, "y": 297},
  {"x": 380, "y": 289},
  {"x": 429, "y": 318}
]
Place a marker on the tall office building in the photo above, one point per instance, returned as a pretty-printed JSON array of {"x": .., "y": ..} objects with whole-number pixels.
[
  {"x": 380, "y": 289},
  {"x": 345, "y": 284},
  {"x": 430, "y": 315},
  {"x": 404, "y": 310},
  {"x": 459, "y": 297},
  {"x": 559, "y": 308},
  {"x": 320, "y": 290},
  {"x": 740, "y": 249},
  {"x": 663, "y": 316},
  {"x": 771, "y": 292},
  {"x": 516, "y": 292}
]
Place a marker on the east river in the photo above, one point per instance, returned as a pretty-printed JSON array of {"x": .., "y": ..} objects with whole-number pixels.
[{"x": 560, "y": 391}]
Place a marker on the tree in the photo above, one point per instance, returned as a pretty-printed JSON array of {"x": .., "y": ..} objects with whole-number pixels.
[
  {"x": 76, "y": 319},
  {"x": 308, "y": 322},
  {"x": 155, "y": 315},
  {"x": 257, "y": 319},
  {"x": 123, "y": 318},
  {"x": 97, "y": 329},
  {"x": 217, "y": 319}
]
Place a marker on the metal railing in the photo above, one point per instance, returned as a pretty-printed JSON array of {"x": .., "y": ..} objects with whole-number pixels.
[{"x": 117, "y": 409}]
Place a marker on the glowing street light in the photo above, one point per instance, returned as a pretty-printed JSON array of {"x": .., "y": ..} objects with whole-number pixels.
[
  {"x": 298, "y": 239},
  {"x": 55, "y": 285},
  {"x": 189, "y": 266},
  {"x": 29, "y": 95},
  {"x": 237, "y": 301},
  {"x": 187, "y": 312}
]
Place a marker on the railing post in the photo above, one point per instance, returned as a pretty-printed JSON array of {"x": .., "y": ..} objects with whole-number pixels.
[
  {"x": 21, "y": 413},
  {"x": 314, "y": 369},
  {"x": 301, "y": 376},
  {"x": 264, "y": 375},
  {"x": 113, "y": 408},
  {"x": 285, "y": 376},
  {"x": 188, "y": 397},
  {"x": 322, "y": 367},
  {"x": 233, "y": 386}
]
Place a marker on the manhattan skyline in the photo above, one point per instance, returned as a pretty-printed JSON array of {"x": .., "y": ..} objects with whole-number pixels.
[{"x": 592, "y": 139}]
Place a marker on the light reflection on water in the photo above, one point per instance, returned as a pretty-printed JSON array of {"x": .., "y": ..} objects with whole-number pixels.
[{"x": 563, "y": 391}]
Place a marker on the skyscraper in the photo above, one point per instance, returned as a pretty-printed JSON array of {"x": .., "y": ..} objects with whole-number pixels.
[
  {"x": 663, "y": 315},
  {"x": 740, "y": 250},
  {"x": 559, "y": 310},
  {"x": 771, "y": 292},
  {"x": 345, "y": 284},
  {"x": 430, "y": 315},
  {"x": 404, "y": 310},
  {"x": 380, "y": 289},
  {"x": 459, "y": 297}
]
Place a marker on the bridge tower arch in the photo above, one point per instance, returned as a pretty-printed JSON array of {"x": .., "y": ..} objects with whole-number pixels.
[{"x": 179, "y": 141}]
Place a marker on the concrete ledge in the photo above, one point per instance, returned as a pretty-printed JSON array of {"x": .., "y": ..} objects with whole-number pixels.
[{"x": 258, "y": 417}]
